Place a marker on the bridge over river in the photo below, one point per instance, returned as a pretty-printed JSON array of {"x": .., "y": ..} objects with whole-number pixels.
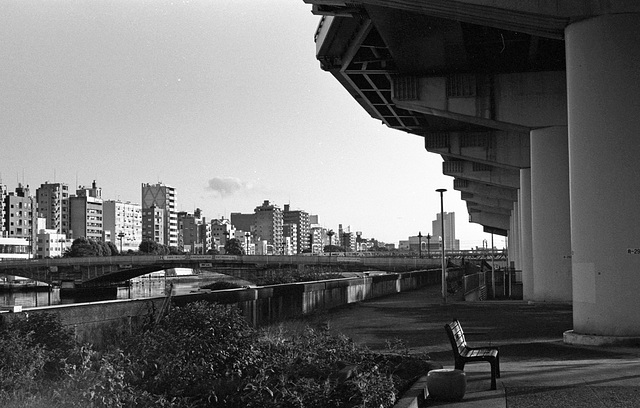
[{"x": 91, "y": 272}]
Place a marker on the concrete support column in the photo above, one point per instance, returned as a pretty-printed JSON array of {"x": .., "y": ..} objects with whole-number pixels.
[
  {"x": 603, "y": 84},
  {"x": 514, "y": 238},
  {"x": 550, "y": 216},
  {"x": 525, "y": 234}
]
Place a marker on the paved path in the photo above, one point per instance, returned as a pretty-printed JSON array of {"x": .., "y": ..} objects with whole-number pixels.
[{"x": 538, "y": 369}]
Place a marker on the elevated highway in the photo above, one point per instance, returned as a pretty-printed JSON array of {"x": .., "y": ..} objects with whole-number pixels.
[{"x": 534, "y": 107}]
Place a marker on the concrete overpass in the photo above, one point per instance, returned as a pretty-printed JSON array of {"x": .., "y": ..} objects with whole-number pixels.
[{"x": 535, "y": 108}]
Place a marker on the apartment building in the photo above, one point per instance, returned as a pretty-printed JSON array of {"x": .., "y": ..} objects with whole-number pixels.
[
  {"x": 53, "y": 205},
  {"x": 190, "y": 237},
  {"x": 19, "y": 214},
  {"x": 163, "y": 197},
  {"x": 450, "y": 241},
  {"x": 86, "y": 213},
  {"x": 124, "y": 222},
  {"x": 222, "y": 230},
  {"x": 268, "y": 225},
  {"x": 301, "y": 220},
  {"x": 154, "y": 224}
]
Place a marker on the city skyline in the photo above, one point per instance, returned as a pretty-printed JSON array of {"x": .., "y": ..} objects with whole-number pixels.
[{"x": 226, "y": 102}]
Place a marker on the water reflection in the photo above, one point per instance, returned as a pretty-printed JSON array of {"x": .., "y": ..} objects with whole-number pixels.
[{"x": 142, "y": 287}]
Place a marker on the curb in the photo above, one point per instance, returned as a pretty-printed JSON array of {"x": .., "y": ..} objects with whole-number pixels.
[{"x": 415, "y": 396}]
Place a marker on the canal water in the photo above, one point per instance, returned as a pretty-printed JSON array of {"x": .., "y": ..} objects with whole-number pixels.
[{"x": 142, "y": 287}]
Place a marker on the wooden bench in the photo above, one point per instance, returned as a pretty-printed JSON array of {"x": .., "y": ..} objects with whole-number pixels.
[{"x": 463, "y": 354}]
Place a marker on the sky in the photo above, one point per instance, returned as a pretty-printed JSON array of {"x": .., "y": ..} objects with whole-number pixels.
[{"x": 222, "y": 99}]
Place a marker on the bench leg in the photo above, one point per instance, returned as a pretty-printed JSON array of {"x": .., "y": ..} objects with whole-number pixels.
[
  {"x": 498, "y": 366},
  {"x": 494, "y": 373}
]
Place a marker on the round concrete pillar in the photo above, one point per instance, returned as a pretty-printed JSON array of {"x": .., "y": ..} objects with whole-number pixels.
[
  {"x": 550, "y": 216},
  {"x": 603, "y": 85},
  {"x": 514, "y": 238},
  {"x": 528, "y": 283}
]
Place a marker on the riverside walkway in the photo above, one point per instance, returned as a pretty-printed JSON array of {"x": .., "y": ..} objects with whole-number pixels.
[{"x": 538, "y": 369}]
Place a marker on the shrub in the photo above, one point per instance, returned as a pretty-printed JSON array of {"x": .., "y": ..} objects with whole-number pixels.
[
  {"x": 21, "y": 363},
  {"x": 198, "y": 352},
  {"x": 219, "y": 285},
  {"x": 44, "y": 331}
]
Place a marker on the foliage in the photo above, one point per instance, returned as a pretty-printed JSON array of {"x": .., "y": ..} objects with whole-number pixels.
[
  {"x": 113, "y": 249},
  {"x": 33, "y": 349},
  {"x": 198, "y": 352},
  {"x": 201, "y": 355},
  {"x": 83, "y": 247},
  {"x": 20, "y": 363},
  {"x": 212, "y": 251},
  {"x": 333, "y": 248},
  {"x": 219, "y": 285},
  {"x": 292, "y": 275},
  {"x": 148, "y": 246},
  {"x": 45, "y": 330},
  {"x": 233, "y": 247},
  {"x": 311, "y": 368}
]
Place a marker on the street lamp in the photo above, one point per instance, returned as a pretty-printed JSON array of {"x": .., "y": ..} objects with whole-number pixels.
[
  {"x": 428, "y": 245},
  {"x": 419, "y": 244},
  {"x": 444, "y": 265},
  {"x": 120, "y": 236}
]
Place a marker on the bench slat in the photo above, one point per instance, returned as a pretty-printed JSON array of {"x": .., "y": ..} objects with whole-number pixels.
[{"x": 463, "y": 353}]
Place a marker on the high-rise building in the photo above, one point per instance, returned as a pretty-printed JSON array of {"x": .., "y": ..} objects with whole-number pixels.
[
  {"x": 244, "y": 222},
  {"x": 268, "y": 225},
  {"x": 86, "y": 213},
  {"x": 19, "y": 214},
  {"x": 124, "y": 221},
  {"x": 290, "y": 239},
  {"x": 189, "y": 232},
  {"x": 53, "y": 205},
  {"x": 450, "y": 241},
  {"x": 153, "y": 224},
  {"x": 301, "y": 220},
  {"x": 162, "y": 197},
  {"x": 221, "y": 231},
  {"x": 346, "y": 238},
  {"x": 3, "y": 194}
]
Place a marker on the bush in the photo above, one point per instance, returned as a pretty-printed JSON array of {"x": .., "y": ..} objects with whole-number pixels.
[
  {"x": 43, "y": 331},
  {"x": 220, "y": 285},
  {"x": 198, "y": 352},
  {"x": 200, "y": 355},
  {"x": 21, "y": 363}
]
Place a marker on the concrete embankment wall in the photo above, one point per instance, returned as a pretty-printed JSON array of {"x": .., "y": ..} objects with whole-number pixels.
[{"x": 100, "y": 322}]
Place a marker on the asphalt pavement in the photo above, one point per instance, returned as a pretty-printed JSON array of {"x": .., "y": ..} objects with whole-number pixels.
[{"x": 538, "y": 369}]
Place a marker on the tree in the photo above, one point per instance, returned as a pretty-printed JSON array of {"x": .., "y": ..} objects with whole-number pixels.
[
  {"x": 112, "y": 248},
  {"x": 233, "y": 247},
  {"x": 332, "y": 248},
  {"x": 82, "y": 247},
  {"x": 149, "y": 246}
]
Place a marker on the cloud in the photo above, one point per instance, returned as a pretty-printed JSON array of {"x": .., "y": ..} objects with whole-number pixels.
[{"x": 226, "y": 186}]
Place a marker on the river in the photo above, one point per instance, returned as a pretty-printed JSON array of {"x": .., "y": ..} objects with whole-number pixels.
[{"x": 141, "y": 287}]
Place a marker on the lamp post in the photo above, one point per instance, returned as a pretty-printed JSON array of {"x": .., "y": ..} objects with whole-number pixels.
[
  {"x": 120, "y": 237},
  {"x": 444, "y": 265},
  {"x": 419, "y": 244},
  {"x": 428, "y": 245},
  {"x": 493, "y": 269}
]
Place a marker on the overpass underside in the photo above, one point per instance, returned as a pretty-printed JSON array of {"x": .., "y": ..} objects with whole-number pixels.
[{"x": 534, "y": 107}]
